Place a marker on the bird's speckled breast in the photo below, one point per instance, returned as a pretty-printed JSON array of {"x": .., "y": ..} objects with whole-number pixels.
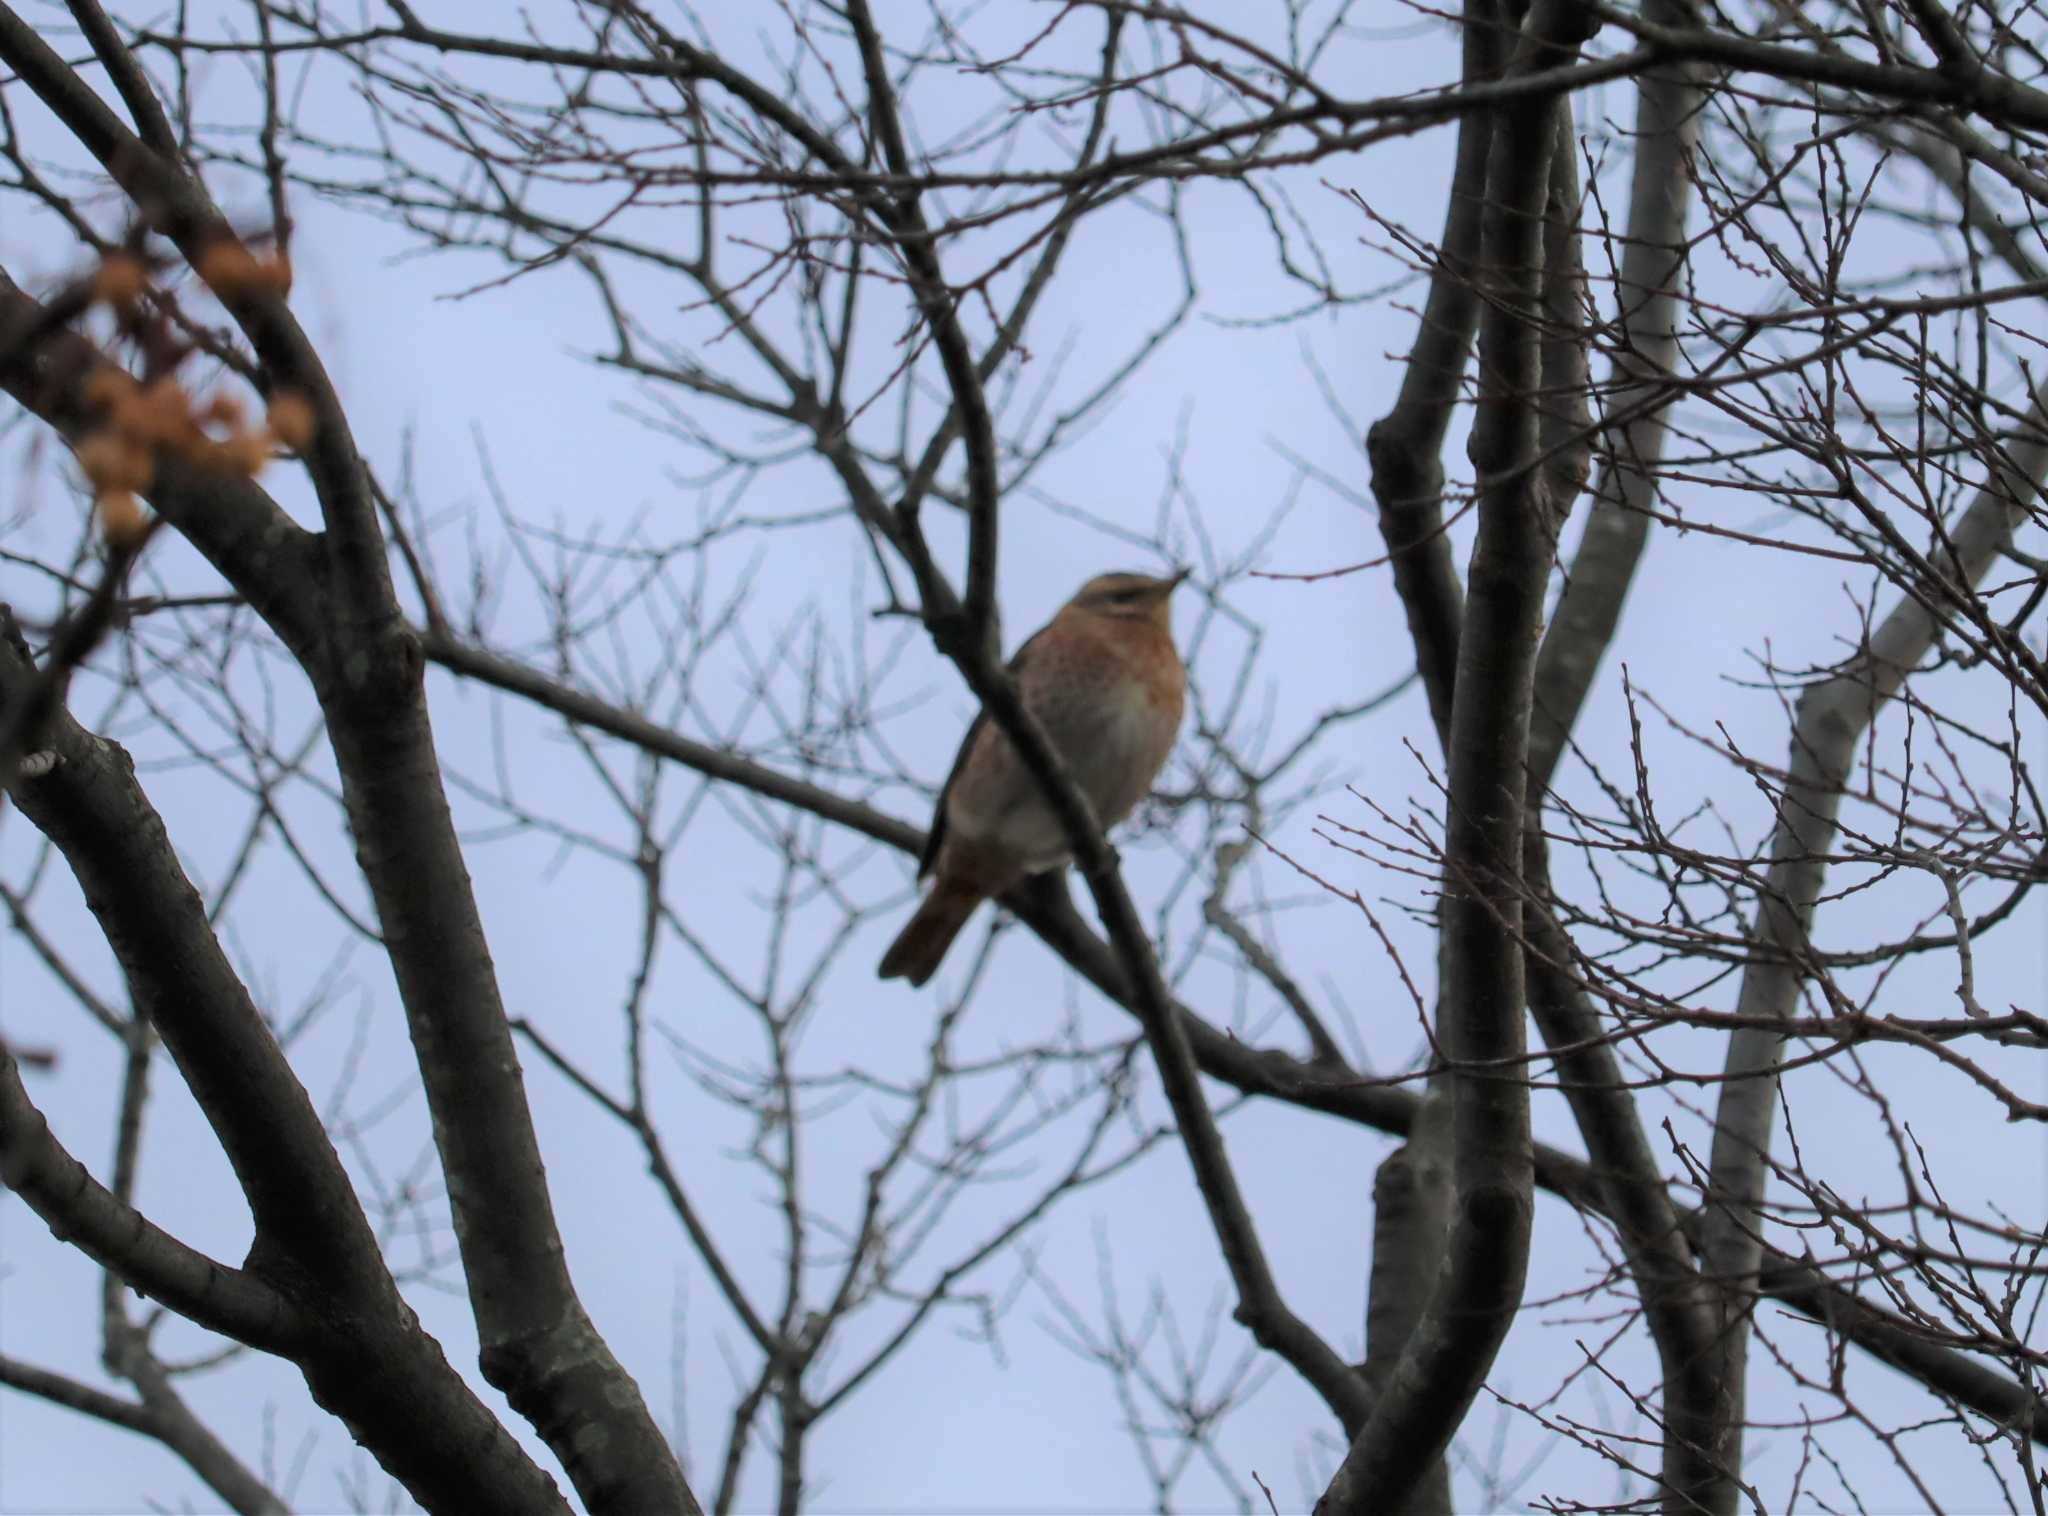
[{"x": 1111, "y": 694}]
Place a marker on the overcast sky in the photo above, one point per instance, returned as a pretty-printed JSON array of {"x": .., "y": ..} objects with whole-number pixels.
[{"x": 954, "y": 1425}]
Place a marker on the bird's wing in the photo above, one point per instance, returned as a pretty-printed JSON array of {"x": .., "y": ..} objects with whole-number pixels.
[{"x": 937, "y": 835}]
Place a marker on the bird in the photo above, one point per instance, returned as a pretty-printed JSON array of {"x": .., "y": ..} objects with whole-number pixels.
[{"x": 1105, "y": 679}]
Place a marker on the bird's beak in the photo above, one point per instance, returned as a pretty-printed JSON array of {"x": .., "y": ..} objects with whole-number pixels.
[{"x": 1174, "y": 582}]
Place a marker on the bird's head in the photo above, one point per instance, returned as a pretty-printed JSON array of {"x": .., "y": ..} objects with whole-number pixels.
[{"x": 1128, "y": 597}]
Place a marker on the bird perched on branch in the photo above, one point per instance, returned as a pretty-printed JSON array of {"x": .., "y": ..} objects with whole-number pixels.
[{"x": 1104, "y": 678}]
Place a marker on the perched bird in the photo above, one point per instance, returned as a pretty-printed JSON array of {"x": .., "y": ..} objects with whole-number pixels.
[{"x": 1105, "y": 680}]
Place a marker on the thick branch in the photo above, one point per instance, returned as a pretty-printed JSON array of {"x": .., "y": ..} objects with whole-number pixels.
[
  {"x": 721, "y": 763},
  {"x": 175, "y": 203},
  {"x": 1633, "y": 1190},
  {"x": 1652, "y": 266},
  {"x": 130, "y": 82},
  {"x": 1634, "y": 1195},
  {"x": 90, "y": 806},
  {"x": 82, "y": 1211},
  {"x": 1267, "y": 1073},
  {"x": 1411, "y": 1223},
  {"x": 269, "y": 558},
  {"x": 1995, "y": 96},
  {"x": 363, "y": 1352},
  {"x": 1831, "y": 718},
  {"x": 1260, "y": 1307},
  {"x": 1892, "y": 1339},
  {"x": 164, "y": 1418},
  {"x": 1481, "y": 1028},
  {"x": 538, "y": 1343},
  {"x": 1405, "y": 446}
]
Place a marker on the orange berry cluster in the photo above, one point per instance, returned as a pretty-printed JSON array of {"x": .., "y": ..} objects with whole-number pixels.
[
  {"x": 142, "y": 420},
  {"x": 231, "y": 270}
]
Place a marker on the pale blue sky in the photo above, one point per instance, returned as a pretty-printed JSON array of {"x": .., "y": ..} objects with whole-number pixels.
[{"x": 950, "y": 1426}]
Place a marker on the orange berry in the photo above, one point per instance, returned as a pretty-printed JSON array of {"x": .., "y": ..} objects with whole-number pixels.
[
  {"x": 106, "y": 387},
  {"x": 245, "y": 453},
  {"x": 291, "y": 419},
  {"x": 121, "y": 519},
  {"x": 120, "y": 279},
  {"x": 225, "y": 411},
  {"x": 162, "y": 412},
  {"x": 228, "y": 268},
  {"x": 113, "y": 463}
]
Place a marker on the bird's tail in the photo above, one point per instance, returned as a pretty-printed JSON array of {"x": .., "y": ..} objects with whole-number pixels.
[{"x": 916, "y": 952}]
